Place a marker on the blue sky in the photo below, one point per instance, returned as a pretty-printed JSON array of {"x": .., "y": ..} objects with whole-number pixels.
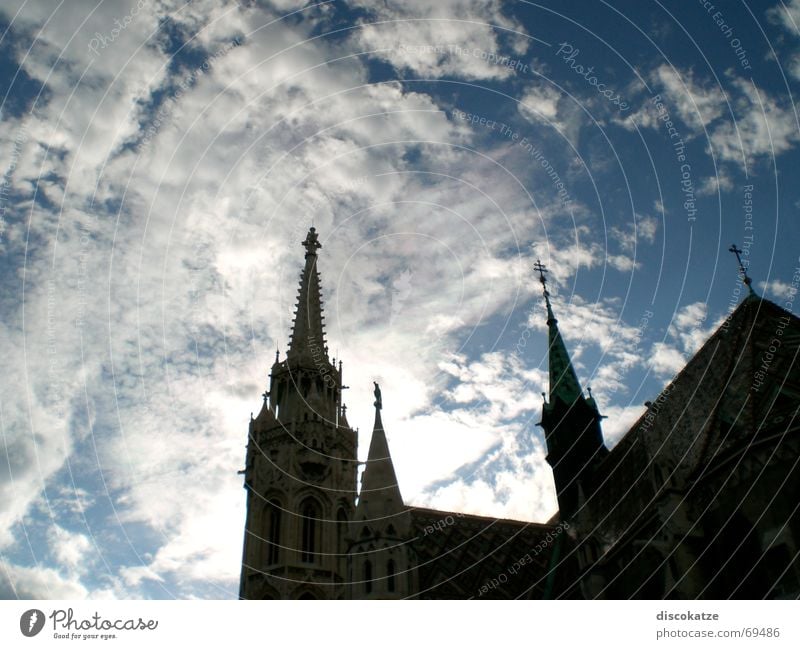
[{"x": 161, "y": 163}]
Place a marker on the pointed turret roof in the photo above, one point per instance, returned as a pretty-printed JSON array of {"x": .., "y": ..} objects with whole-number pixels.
[
  {"x": 308, "y": 334},
  {"x": 564, "y": 383},
  {"x": 343, "y": 423},
  {"x": 265, "y": 418},
  {"x": 380, "y": 493}
]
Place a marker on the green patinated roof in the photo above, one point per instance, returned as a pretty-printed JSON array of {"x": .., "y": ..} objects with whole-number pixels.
[{"x": 564, "y": 383}]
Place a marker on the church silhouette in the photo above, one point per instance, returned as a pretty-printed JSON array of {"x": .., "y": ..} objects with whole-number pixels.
[{"x": 699, "y": 499}]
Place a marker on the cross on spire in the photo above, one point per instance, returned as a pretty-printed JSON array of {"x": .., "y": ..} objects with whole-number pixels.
[
  {"x": 542, "y": 269},
  {"x": 745, "y": 278}
]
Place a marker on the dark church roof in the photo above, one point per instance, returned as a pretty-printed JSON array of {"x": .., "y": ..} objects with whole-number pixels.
[
  {"x": 739, "y": 390},
  {"x": 462, "y": 556}
]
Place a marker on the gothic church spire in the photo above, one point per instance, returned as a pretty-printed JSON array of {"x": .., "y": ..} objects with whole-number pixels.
[
  {"x": 301, "y": 466},
  {"x": 571, "y": 422},
  {"x": 564, "y": 383},
  {"x": 308, "y": 334}
]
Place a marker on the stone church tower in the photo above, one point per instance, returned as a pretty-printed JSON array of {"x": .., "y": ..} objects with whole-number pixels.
[{"x": 300, "y": 471}]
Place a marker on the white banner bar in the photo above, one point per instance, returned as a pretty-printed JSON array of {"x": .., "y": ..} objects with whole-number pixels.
[{"x": 387, "y": 625}]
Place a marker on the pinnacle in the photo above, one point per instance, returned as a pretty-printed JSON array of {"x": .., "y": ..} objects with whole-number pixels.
[
  {"x": 379, "y": 481},
  {"x": 308, "y": 334}
]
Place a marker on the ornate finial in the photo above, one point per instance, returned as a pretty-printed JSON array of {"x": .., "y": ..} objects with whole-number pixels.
[
  {"x": 277, "y": 354},
  {"x": 265, "y": 395},
  {"x": 589, "y": 390},
  {"x": 745, "y": 278},
  {"x": 311, "y": 243},
  {"x": 377, "y": 393}
]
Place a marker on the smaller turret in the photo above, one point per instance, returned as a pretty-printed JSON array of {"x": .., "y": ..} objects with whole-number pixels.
[{"x": 380, "y": 558}]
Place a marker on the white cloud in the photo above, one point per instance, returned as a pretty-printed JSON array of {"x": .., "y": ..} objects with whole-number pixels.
[
  {"x": 513, "y": 481},
  {"x": 133, "y": 576},
  {"x": 647, "y": 227},
  {"x": 498, "y": 381},
  {"x": 710, "y": 185},
  {"x": 763, "y": 126},
  {"x": 202, "y": 546},
  {"x": 687, "y": 326},
  {"x": 696, "y": 102},
  {"x": 618, "y": 422},
  {"x": 665, "y": 360},
  {"x": 778, "y": 288},
  {"x": 568, "y": 252},
  {"x": 794, "y": 65},
  {"x": 686, "y": 333},
  {"x": 449, "y": 441},
  {"x": 434, "y": 40},
  {"x": 18, "y": 582},
  {"x": 544, "y": 104},
  {"x": 740, "y": 124},
  {"x": 787, "y": 14},
  {"x": 70, "y": 549},
  {"x": 540, "y": 103}
]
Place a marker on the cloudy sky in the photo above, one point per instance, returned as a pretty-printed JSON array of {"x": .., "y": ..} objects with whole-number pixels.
[{"x": 161, "y": 162}]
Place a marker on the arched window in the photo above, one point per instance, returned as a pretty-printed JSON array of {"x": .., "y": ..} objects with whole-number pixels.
[
  {"x": 367, "y": 577},
  {"x": 390, "y": 570},
  {"x": 273, "y": 513},
  {"x": 310, "y": 514},
  {"x": 341, "y": 529}
]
